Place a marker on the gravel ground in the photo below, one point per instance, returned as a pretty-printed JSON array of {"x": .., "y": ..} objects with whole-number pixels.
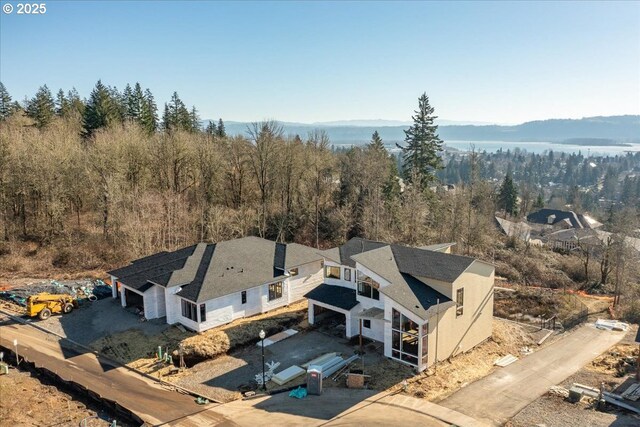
[
  {"x": 221, "y": 377},
  {"x": 26, "y": 401}
]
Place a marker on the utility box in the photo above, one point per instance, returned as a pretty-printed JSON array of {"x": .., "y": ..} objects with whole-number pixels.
[{"x": 314, "y": 380}]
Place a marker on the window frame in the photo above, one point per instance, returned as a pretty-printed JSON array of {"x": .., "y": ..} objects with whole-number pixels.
[
  {"x": 243, "y": 297},
  {"x": 189, "y": 310},
  {"x": 367, "y": 287},
  {"x": 401, "y": 338},
  {"x": 459, "y": 302},
  {"x": 366, "y": 323},
  {"x": 275, "y": 291},
  {"x": 328, "y": 269},
  {"x": 203, "y": 312},
  {"x": 347, "y": 272}
]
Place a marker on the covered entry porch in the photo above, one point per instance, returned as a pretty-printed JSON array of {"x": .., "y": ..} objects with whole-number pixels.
[{"x": 326, "y": 300}]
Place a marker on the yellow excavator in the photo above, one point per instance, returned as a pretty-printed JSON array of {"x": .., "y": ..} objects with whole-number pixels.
[{"x": 44, "y": 304}]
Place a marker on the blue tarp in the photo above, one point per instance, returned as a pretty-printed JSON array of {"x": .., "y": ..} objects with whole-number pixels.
[{"x": 299, "y": 393}]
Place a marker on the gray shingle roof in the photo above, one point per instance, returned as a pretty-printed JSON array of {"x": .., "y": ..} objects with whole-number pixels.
[
  {"x": 542, "y": 216},
  {"x": 431, "y": 264},
  {"x": 337, "y": 296},
  {"x": 410, "y": 292},
  {"x": 354, "y": 246},
  {"x": 207, "y": 271}
]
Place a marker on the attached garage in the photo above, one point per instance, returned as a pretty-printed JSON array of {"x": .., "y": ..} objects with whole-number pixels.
[{"x": 333, "y": 302}]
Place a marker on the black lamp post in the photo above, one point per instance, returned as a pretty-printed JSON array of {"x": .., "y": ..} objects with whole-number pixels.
[{"x": 264, "y": 384}]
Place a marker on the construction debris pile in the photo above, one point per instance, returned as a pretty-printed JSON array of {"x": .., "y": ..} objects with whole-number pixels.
[{"x": 82, "y": 290}]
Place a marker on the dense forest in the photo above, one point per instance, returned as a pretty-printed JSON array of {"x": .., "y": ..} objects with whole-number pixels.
[{"x": 90, "y": 183}]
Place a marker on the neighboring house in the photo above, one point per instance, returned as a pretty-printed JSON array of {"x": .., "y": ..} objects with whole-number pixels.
[
  {"x": 583, "y": 239},
  {"x": 418, "y": 302},
  {"x": 210, "y": 284},
  {"x": 518, "y": 230},
  {"x": 557, "y": 219}
]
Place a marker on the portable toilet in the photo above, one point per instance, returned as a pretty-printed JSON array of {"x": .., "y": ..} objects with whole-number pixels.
[{"x": 314, "y": 380}]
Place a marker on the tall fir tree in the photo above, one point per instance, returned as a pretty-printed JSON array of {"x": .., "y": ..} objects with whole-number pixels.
[
  {"x": 376, "y": 142},
  {"x": 102, "y": 109},
  {"x": 211, "y": 129},
  {"x": 176, "y": 115},
  {"x": 508, "y": 195},
  {"x": 62, "y": 104},
  {"x": 5, "y": 103},
  {"x": 420, "y": 155},
  {"x": 41, "y": 107},
  {"x": 221, "y": 131},
  {"x": 194, "y": 119},
  {"x": 149, "y": 113}
]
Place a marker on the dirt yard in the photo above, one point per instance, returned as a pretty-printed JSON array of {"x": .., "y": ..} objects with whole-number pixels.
[
  {"x": 27, "y": 401},
  {"x": 614, "y": 368},
  {"x": 450, "y": 375}
]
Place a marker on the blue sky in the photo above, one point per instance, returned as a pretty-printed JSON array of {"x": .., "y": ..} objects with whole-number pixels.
[{"x": 318, "y": 61}]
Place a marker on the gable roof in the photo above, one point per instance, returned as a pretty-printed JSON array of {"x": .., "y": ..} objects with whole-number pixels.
[
  {"x": 208, "y": 271},
  {"x": 357, "y": 245}
]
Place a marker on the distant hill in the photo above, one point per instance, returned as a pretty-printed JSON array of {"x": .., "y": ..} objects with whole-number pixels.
[{"x": 614, "y": 129}]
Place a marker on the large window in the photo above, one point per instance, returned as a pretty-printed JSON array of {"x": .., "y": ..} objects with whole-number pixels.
[
  {"x": 459, "y": 302},
  {"x": 331, "y": 272},
  {"x": 347, "y": 274},
  {"x": 275, "y": 291},
  {"x": 189, "y": 310},
  {"x": 367, "y": 287},
  {"x": 404, "y": 338}
]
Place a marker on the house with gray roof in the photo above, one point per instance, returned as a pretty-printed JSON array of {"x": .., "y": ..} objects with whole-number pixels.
[
  {"x": 425, "y": 304},
  {"x": 210, "y": 284}
]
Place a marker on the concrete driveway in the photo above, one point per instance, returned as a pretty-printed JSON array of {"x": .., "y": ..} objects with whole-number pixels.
[
  {"x": 336, "y": 407},
  {"x": 501, "y": 395}
]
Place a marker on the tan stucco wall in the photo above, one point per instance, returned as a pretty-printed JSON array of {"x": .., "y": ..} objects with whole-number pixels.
[{"x": 462, "y": 333}]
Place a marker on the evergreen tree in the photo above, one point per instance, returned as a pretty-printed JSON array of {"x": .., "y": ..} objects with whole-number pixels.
[
  {"x": 539, "y": 203},
  {"x": 41, "y": 107},
  {"x": 129, "y": 103},
  {"x": 148, "y": 113},
  {"x": 5, "y": 103},
  {"x": 194, "y": 119},
  {"x": 222, "y": 133},
  {"x": 508, "y": 196},
  {"x": 101, "y": 109},
  {"x": 211, "y": 129},
  {"x": 376, "y": 142},
  {"x": 75, "y": 104},
  {"x": 176, "y": 116},
  {"x": 62, "y": 104},
  {"x": 421, "y": 154}
]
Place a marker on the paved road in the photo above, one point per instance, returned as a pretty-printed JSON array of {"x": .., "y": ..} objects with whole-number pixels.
[
  {"x": 151, "y": 402},
  {"x": 156, "y": 405},
  {"x": 501, "y": 395},
  {"x": 337, "y": 407}
]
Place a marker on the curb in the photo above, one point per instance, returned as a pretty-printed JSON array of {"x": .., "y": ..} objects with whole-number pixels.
[{"x": 108, "y": 359}]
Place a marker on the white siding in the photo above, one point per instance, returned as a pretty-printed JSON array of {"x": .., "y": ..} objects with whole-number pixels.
[
  {"x": 228, "y": 308},
  {"x": 376, "y": 332},
  {"x": 309, "y": 276},
  {"x": 340, "y": 281},
  {"x": 154, "y": 302}
]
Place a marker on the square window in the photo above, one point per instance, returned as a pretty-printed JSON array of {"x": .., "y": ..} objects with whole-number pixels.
[
  {"x": 331, "y": 272},
  {"x": 366, "y": 323}
]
